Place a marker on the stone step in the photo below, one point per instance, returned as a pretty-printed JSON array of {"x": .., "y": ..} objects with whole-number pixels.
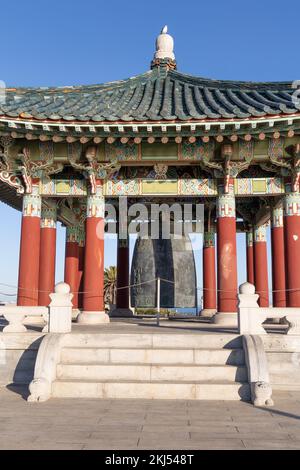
[
  {"x": 154, "y": 340},
  {"x": 150, "y": 372},
  {"x": 151, "y": 390},
  {"x": 153, "y": 356}
]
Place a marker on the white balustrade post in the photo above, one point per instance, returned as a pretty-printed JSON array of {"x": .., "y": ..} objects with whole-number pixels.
[
  {"x": 249, "y": 319},
  {"x": 60, "y": 309}
]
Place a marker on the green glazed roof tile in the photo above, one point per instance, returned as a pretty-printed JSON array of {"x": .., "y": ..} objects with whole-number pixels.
[{"x": 158, "y": 95}]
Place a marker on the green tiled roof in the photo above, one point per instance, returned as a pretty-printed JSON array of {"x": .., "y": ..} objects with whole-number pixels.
[
  {"x": 158, "y": 95},
  {"x": 8, "y": 196}
]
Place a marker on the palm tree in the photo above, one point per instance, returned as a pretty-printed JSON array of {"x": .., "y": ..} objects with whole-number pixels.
[{"x": 110, "y": 284}]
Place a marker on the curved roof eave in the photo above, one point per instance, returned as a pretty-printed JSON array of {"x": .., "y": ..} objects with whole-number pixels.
[{"x": 157, "y": 96}]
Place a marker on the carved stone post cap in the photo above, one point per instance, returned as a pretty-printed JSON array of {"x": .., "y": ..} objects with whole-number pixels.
[
  {"x": 62, "y": 288},
  {"x": 247, "y": 288}
]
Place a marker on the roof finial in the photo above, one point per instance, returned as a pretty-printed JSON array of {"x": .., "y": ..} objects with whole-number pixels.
[{"x": 164, "y": 54}]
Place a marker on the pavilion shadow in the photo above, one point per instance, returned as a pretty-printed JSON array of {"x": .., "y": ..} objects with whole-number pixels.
[
  {"x": 281, "y": 413},
  {"x": 24, "y": 371},
  {"x": 244, "y": 393}
]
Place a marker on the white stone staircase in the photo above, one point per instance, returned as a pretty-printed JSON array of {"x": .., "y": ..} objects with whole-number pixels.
[{"x": 152, "y": 366}]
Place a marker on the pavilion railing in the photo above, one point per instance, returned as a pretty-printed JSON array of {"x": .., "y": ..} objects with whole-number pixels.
[
  {"x": 251, "y": 316},
  {"x": 57, "y": 317}
]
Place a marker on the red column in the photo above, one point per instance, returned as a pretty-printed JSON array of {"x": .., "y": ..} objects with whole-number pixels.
[
  {"x": 28, "y": 282},
  {"x": 226, "y": 250},
  {"x": 209, "y": 274},
  {"x": 292, "y": 248},
  {"x": 93, "y": 297},
  {"x": 72, "y": 262},
  {"x": 250, "y": 257},
  {"x": 278, "y": 257},
  {"x": 261, "y": 265},
  {"x": 47, "y": 255},
  {"x": 81, "y": 268},
  {"x": 123, "y": 274},
  {"x": 94, "y": 265}
]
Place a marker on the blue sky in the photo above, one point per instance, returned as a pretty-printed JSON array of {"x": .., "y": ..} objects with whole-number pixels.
[{"x": 74, "y": 42}]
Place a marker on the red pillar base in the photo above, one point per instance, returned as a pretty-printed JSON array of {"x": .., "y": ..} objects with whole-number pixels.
[
  {"x": 229, "y": 320},
  {"x": 208, "y": 312},
  {"x": 92, "y": 318}
]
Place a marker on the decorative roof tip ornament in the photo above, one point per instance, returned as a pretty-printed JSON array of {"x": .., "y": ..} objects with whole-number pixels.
[{"x": 164, "y": 55}]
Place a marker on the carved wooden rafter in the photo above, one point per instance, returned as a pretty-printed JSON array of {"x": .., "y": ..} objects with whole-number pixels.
[
  {"x": 274, "y": 164},
  {"x": 5, "y": 143},
  {"x": 36, "y": 169},
  {"x": 246, "y": 211},
  {"x": 25, "y": 169},
  {"x": 7, "y": 171},
  {"x": 294, "y": 166},
  {"x": 210, "y": 206},
  {"x": 296, "y": 174},
  {"x": 262, "y": 216},
  {"x": 279, "y": 162},
  {"x": 82, "y": 212},
  {"x": 19, "y": 175},
  {"x": 269, "y": 167},
  {"x": 227, "y": 169},
  {"x": 65, "y": 213},
  {"x": 12, "y": 180},
  {"x": 94, "y": 170},
  {"x": 258, "y": 210},
  {"x": 253, "y": 216},
  {"x": 160, "y": 171},
  {"x": 209, "y": 166}
]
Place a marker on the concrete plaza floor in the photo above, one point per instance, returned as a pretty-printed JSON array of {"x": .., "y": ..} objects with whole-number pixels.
[{"x": 144, "y": 424}]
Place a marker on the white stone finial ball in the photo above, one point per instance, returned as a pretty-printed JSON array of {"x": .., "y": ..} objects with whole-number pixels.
[
  {"x": 247, "y": 288},
  {"x": 62, "y": 288},
  {"x": 164, "y": 45}
]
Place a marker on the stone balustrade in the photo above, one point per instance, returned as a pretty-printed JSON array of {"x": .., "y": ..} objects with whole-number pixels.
[
  {"x": 251, "y": 316},
  {"x": 57, "y": 316},
  {"x": 16, "y": 316}
]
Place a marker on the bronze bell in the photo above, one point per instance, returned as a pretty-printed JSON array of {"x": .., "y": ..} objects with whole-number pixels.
[{"x": 172, "y": 260}]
